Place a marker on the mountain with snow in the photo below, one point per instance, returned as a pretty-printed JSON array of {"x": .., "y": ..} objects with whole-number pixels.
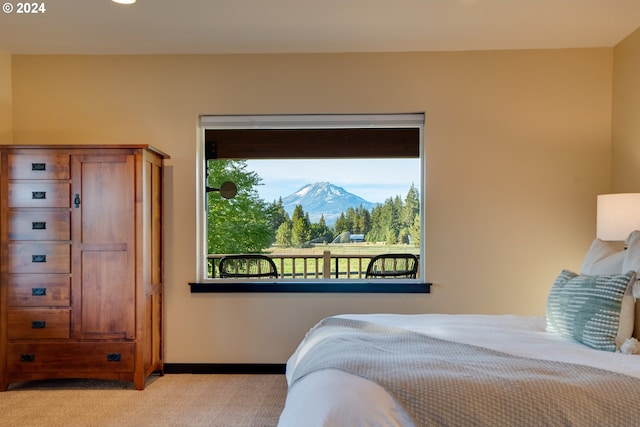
[{"x": 324, "y": 198}]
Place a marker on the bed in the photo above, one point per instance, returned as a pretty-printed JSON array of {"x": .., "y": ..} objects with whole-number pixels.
[{"x": 577, "y": 365}]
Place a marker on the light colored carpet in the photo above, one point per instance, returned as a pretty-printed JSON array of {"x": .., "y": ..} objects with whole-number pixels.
[{"x": 172, "y": 400}]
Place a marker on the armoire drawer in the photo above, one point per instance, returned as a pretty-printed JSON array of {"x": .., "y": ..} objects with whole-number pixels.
[
  {"x": 39, "y": 258},
  {"x": 39, "y": 290},
  {"x": 38, "y": 166},
  {"x": 70, "y": 357},
  {"x": 38, "y": 324},
  {"x": 39, "y": 195},
  {"x": 39, "y": 225}
]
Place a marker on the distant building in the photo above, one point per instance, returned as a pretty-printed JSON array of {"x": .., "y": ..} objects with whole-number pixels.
[{"x": 346, "y": 237}]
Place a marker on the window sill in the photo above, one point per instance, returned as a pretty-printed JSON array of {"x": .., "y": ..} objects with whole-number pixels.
[{"x": 386, "y": 287}]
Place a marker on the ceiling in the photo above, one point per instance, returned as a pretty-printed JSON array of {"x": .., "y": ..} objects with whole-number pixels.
[{"x": 288, "y": 26}]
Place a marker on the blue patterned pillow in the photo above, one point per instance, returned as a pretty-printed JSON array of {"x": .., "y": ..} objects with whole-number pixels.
[{"x": 587, "y": 308}]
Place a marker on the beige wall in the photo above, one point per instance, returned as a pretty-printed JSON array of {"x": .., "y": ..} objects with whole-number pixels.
[
  {"x": 5, "y": 98},
  {"x": 626, "y": 115},
  {"x": 518, "y": 145}
]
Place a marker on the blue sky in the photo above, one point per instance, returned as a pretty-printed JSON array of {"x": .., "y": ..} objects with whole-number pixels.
[{"x": 375, "y": 180}]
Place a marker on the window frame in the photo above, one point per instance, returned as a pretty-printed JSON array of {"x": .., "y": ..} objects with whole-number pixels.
[{"x": 293, "y": 122}]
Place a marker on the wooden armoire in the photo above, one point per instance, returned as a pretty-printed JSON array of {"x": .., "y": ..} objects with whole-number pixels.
[{"x": 81, "y": 278}]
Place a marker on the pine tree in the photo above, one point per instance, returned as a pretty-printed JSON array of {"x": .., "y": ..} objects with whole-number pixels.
[
  {"x": 300, "y": 227},
  {"x": 414, "y": 231},
  {"x": 277, "y": 215},
  {"x": 320, "y": 232},
  {"x": 410, "y": 210},
  {"x": 363, "y": 220},
  {"x": 411, "y": 207},
  {"x": 283, "y": 234},
  {"x": 341, "y": 224}
]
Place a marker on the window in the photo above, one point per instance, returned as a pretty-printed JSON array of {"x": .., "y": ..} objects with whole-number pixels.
[{"x": 319, "y": 195}]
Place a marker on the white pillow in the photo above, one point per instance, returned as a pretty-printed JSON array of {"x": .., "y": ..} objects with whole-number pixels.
[
  {"x": 632, "y": 262},
  {"x": 604, "y": 259},
  {"x": 632, "y": 259}
]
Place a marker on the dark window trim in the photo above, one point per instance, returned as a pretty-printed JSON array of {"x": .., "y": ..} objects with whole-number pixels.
[
  {"x": 378, "y": 142},
  {"x": 370, "y": 287}
]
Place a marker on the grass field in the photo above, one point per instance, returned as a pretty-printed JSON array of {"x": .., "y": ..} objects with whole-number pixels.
[{"x": 350, "y": 260}]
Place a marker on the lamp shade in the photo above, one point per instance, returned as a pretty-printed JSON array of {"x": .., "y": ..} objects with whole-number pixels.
[{"x": 617, "y": 215}]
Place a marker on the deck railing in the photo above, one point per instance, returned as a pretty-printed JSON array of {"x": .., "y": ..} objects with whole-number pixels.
[{"x": 310, "y": 266}]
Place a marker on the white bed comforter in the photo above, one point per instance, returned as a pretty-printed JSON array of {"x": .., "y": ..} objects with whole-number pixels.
[{"x": 337, "y": 398}]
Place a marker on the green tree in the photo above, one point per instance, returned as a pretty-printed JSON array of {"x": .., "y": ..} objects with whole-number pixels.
[
  {"x": 277, "y": 215},
  {"x": 283, "y": 234},
  {"x": 363, "y": 220},
  {"x": 414, "y": 230},
  {"x": 300, "y": 227},
  {"x": 411, "y": 207},
  {"x": 384, "y": 223},
  {"x": 341, "y": 224},
  {"x": 352, "y": 220},
  {"x": 376, "y": 232},
  {"x": 396, "y": 221},
  {"x": 320, "y": 232},
  {"x": 240, "y": 224},
  {"x": 410, "y": 231}
]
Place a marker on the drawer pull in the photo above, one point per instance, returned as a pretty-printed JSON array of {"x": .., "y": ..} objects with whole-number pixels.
[
  {"x": 28, "y": 357},
  {"x": 38, "y": 195},
  {"x": 38, "y": 324},
  {"x": 38, "y": 166},
  {"x": 113, "y": 357},
  {"x": 39, "y": 225},
  {"x": 38, "y": 258},
  {"x": 38, "y": 292}
]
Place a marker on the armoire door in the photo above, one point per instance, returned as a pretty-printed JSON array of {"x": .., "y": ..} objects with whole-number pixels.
[{"x": 103, "y": 246}]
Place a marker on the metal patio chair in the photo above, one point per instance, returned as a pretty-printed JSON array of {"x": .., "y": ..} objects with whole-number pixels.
[
  {"x": 392, "y": 266},
  {"x": 247, "y": 266}
]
